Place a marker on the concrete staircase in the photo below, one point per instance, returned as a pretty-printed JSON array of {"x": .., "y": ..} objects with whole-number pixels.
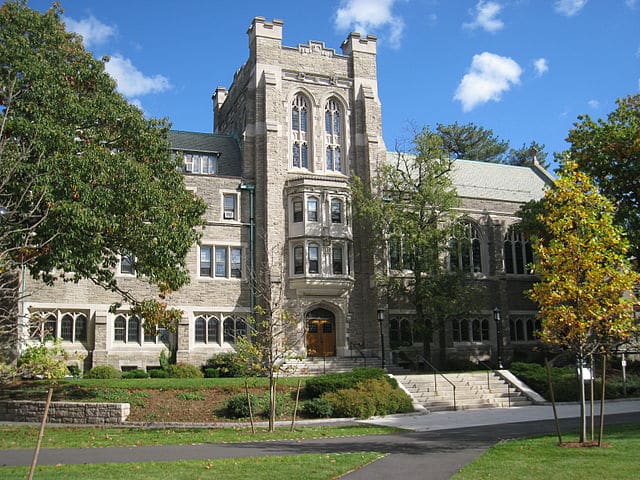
[
  {"x": 317, "y": 365},
  {"x": 473, "y": 390}
]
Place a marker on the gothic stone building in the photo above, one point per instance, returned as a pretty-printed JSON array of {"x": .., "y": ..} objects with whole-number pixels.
[{"x": 290, "y": 131}]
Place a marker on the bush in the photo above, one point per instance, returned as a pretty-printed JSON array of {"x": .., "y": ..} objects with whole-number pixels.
[
  {"x": 368, "y": 398},
  {"x": 231, "y": 365},
  {"x": 317, "y": 408},
  {"x": 158, "y": 373},
  {"x": 238, "y": 407},
  {"x": 103, "y": 371},
  {"x": 184, "y": 370},
  {"x": 332, "y": 382},
  {"x": 43, "y": 361},
  {"x": 564, "y": 380},
  {"x": 211, "y": 373},
  {"x": 136, "y": 373}
]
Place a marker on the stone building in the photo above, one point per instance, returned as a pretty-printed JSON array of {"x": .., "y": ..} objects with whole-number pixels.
[{"x": 293, "y": 127}]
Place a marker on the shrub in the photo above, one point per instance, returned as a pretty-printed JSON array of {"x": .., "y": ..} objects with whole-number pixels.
[
  {"x": 332, "y": 382},
  {"x": 191, "y": 395},
  {"x": 136, "y": 373},
  {"x": 564, "y": 380},
  {"x": 103, "y": 371},
  {"x": 211, "y": 373},
  {"x": 238, "y": 407},
  {"x": 164, "y": 360},
  {"x": 184, "y": 370},
  {"x": 317, "y": 408},
  {"x": 231, "y": 365},
  {"x": 43, "y": 361},
  {"x": 368, "y": 398},
  {"x": 158, "y": 373}
]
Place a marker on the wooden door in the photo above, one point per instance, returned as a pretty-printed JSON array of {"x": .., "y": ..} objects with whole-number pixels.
[{"x": 321, "y": 337}]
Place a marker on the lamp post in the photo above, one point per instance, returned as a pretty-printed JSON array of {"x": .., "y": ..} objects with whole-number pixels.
[
  {"x": 380, "y": 321},
  {"x": 498, "y": 320}
]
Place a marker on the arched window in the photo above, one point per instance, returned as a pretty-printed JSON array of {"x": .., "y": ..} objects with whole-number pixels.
[
  {"x": 50, "y": 327},
  {"x": 333, "y": 135},
  {"x": 480, "y": 330},
  {"x": 465, "y": 250},
  {"x": 206, "y": 329},
  {"x": 234, "y": 328},
  {"x": 133, "y": 330},
  {"x": 66, "y": 327},
  {"x": 299, "y": 132},
  {"x": 518, "y": 253},
  {"x": 119, "y": 329},
  {"x": 200, "y": 330},
  {"x": 523, "y": 329}
]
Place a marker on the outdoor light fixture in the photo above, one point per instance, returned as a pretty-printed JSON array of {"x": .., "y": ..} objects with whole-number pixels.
[
  {"x": 380, "y": 321},
  {"x": 498, "y": 320}
]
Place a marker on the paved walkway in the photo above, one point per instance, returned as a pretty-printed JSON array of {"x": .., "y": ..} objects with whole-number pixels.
[{"x": 439, "y": 445}]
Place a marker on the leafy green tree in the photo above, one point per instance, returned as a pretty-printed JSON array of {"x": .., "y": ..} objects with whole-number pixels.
[
  {"x": 609, "y": 151},
  {"x": 585, "y": 275},
  {"x": 85, "y": 178},
  {"x": 410, "y": 215},
  {"x": 524, "y": 156},
  {"x": 471, "y": 142}
]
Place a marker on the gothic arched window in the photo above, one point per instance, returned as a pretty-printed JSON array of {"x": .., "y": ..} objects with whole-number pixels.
[{"x": 300, "y": 131}]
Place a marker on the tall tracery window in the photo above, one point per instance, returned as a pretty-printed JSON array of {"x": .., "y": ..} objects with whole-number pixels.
[
  {"x": 523, "y": 328},
  {"x": 518, "y": 253},
  {"x": 300, "y": 131},
  {"x": 475, "y": 330},
  {"x": 333, "y": 135},
  {"x": 465, "y": 250}
]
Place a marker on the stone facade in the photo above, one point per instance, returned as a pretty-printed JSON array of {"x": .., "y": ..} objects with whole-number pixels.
[{"x": 291, "y": 130}]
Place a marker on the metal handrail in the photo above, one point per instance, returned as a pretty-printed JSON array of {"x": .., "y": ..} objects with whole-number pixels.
[
  {"x": 364, "y": 357},
  {"x": 492, "y": 370},
  {"x": 437, "y": 372}
]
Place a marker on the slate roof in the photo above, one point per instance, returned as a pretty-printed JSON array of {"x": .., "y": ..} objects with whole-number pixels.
[
  {"x": 225, "y": 146},
  {"x": 499, "y": 182},
  {"x": 495, "y": 181}
]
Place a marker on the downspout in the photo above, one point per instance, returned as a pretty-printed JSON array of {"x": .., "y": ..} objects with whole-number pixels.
[{"x": 252, "y": 245}]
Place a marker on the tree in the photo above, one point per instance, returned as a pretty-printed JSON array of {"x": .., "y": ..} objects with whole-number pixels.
[
  {"x": 410, "y": 216},
  {"x": 471, "y": 142},
  {"x": 85, "y": 177},
  {"x": 609, "y": 151},
  {"x": 585, "y": 275},
  {"x": 274, "y": 335},
  {"x": 526, "y": 154}
]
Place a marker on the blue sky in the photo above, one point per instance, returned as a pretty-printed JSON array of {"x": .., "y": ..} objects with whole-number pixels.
[{"x": 523, "y": 68}]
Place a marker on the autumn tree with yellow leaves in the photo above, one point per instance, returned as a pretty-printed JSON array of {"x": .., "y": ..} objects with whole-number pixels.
[{"x": 586, "y": 278}]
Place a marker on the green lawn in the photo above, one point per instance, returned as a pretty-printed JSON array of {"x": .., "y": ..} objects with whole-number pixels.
[
  {"x": 542, "y": 459},
  {"x": 307, "y": 467},
  {"x": 74, "y": 437}
]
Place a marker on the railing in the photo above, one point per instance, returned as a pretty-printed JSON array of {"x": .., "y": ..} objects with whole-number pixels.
[
  {"x": 490, "y": 370},
  {"x": 437, "y": 372}
]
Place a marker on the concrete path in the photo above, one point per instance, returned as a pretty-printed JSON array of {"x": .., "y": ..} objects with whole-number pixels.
[{"x": 440, "y": 444}]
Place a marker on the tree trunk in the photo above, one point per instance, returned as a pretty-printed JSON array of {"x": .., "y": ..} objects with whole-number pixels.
[
  {"x": 604, "y": 383},
  {"x": 272, "y": 403},
  {"x": 583, "y": 409},
  {"x": 36, "y": 453}
]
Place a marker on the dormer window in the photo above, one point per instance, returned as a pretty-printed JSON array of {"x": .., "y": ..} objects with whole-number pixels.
[{"x": 200, "y": 163}]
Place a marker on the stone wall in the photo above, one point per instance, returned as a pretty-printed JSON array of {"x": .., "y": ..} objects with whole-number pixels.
[{"x": 64, "y": 412}]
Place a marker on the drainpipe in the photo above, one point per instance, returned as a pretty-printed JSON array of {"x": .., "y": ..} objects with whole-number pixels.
[{"x": 252, "y": 245}]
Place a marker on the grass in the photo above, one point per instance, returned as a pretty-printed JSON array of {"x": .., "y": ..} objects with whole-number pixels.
[
  {"x": 307, "y": 467},
  {"x": 12, "y": 437},
  {"x": 542, "y": 459}
]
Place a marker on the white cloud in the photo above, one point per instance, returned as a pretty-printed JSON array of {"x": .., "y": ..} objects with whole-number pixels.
[
  {"x": 541, "y": 66},
  {"x": 489, "y": 76},
  {"x": 93, "y": 31},
  {"x": 365, "y": 16},
  {"x": 569, "y": 7},
  {"x": 593, "y": 104},
  {"x": 486, "y": 13},
  {"x": 131, "y": 81}
]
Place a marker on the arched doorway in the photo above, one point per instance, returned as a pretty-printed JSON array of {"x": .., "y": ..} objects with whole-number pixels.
[{"x": 321, "y": 333}]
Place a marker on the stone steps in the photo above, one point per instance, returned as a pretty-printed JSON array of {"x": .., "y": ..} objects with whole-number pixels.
[{"x": 473, "y": 390}]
